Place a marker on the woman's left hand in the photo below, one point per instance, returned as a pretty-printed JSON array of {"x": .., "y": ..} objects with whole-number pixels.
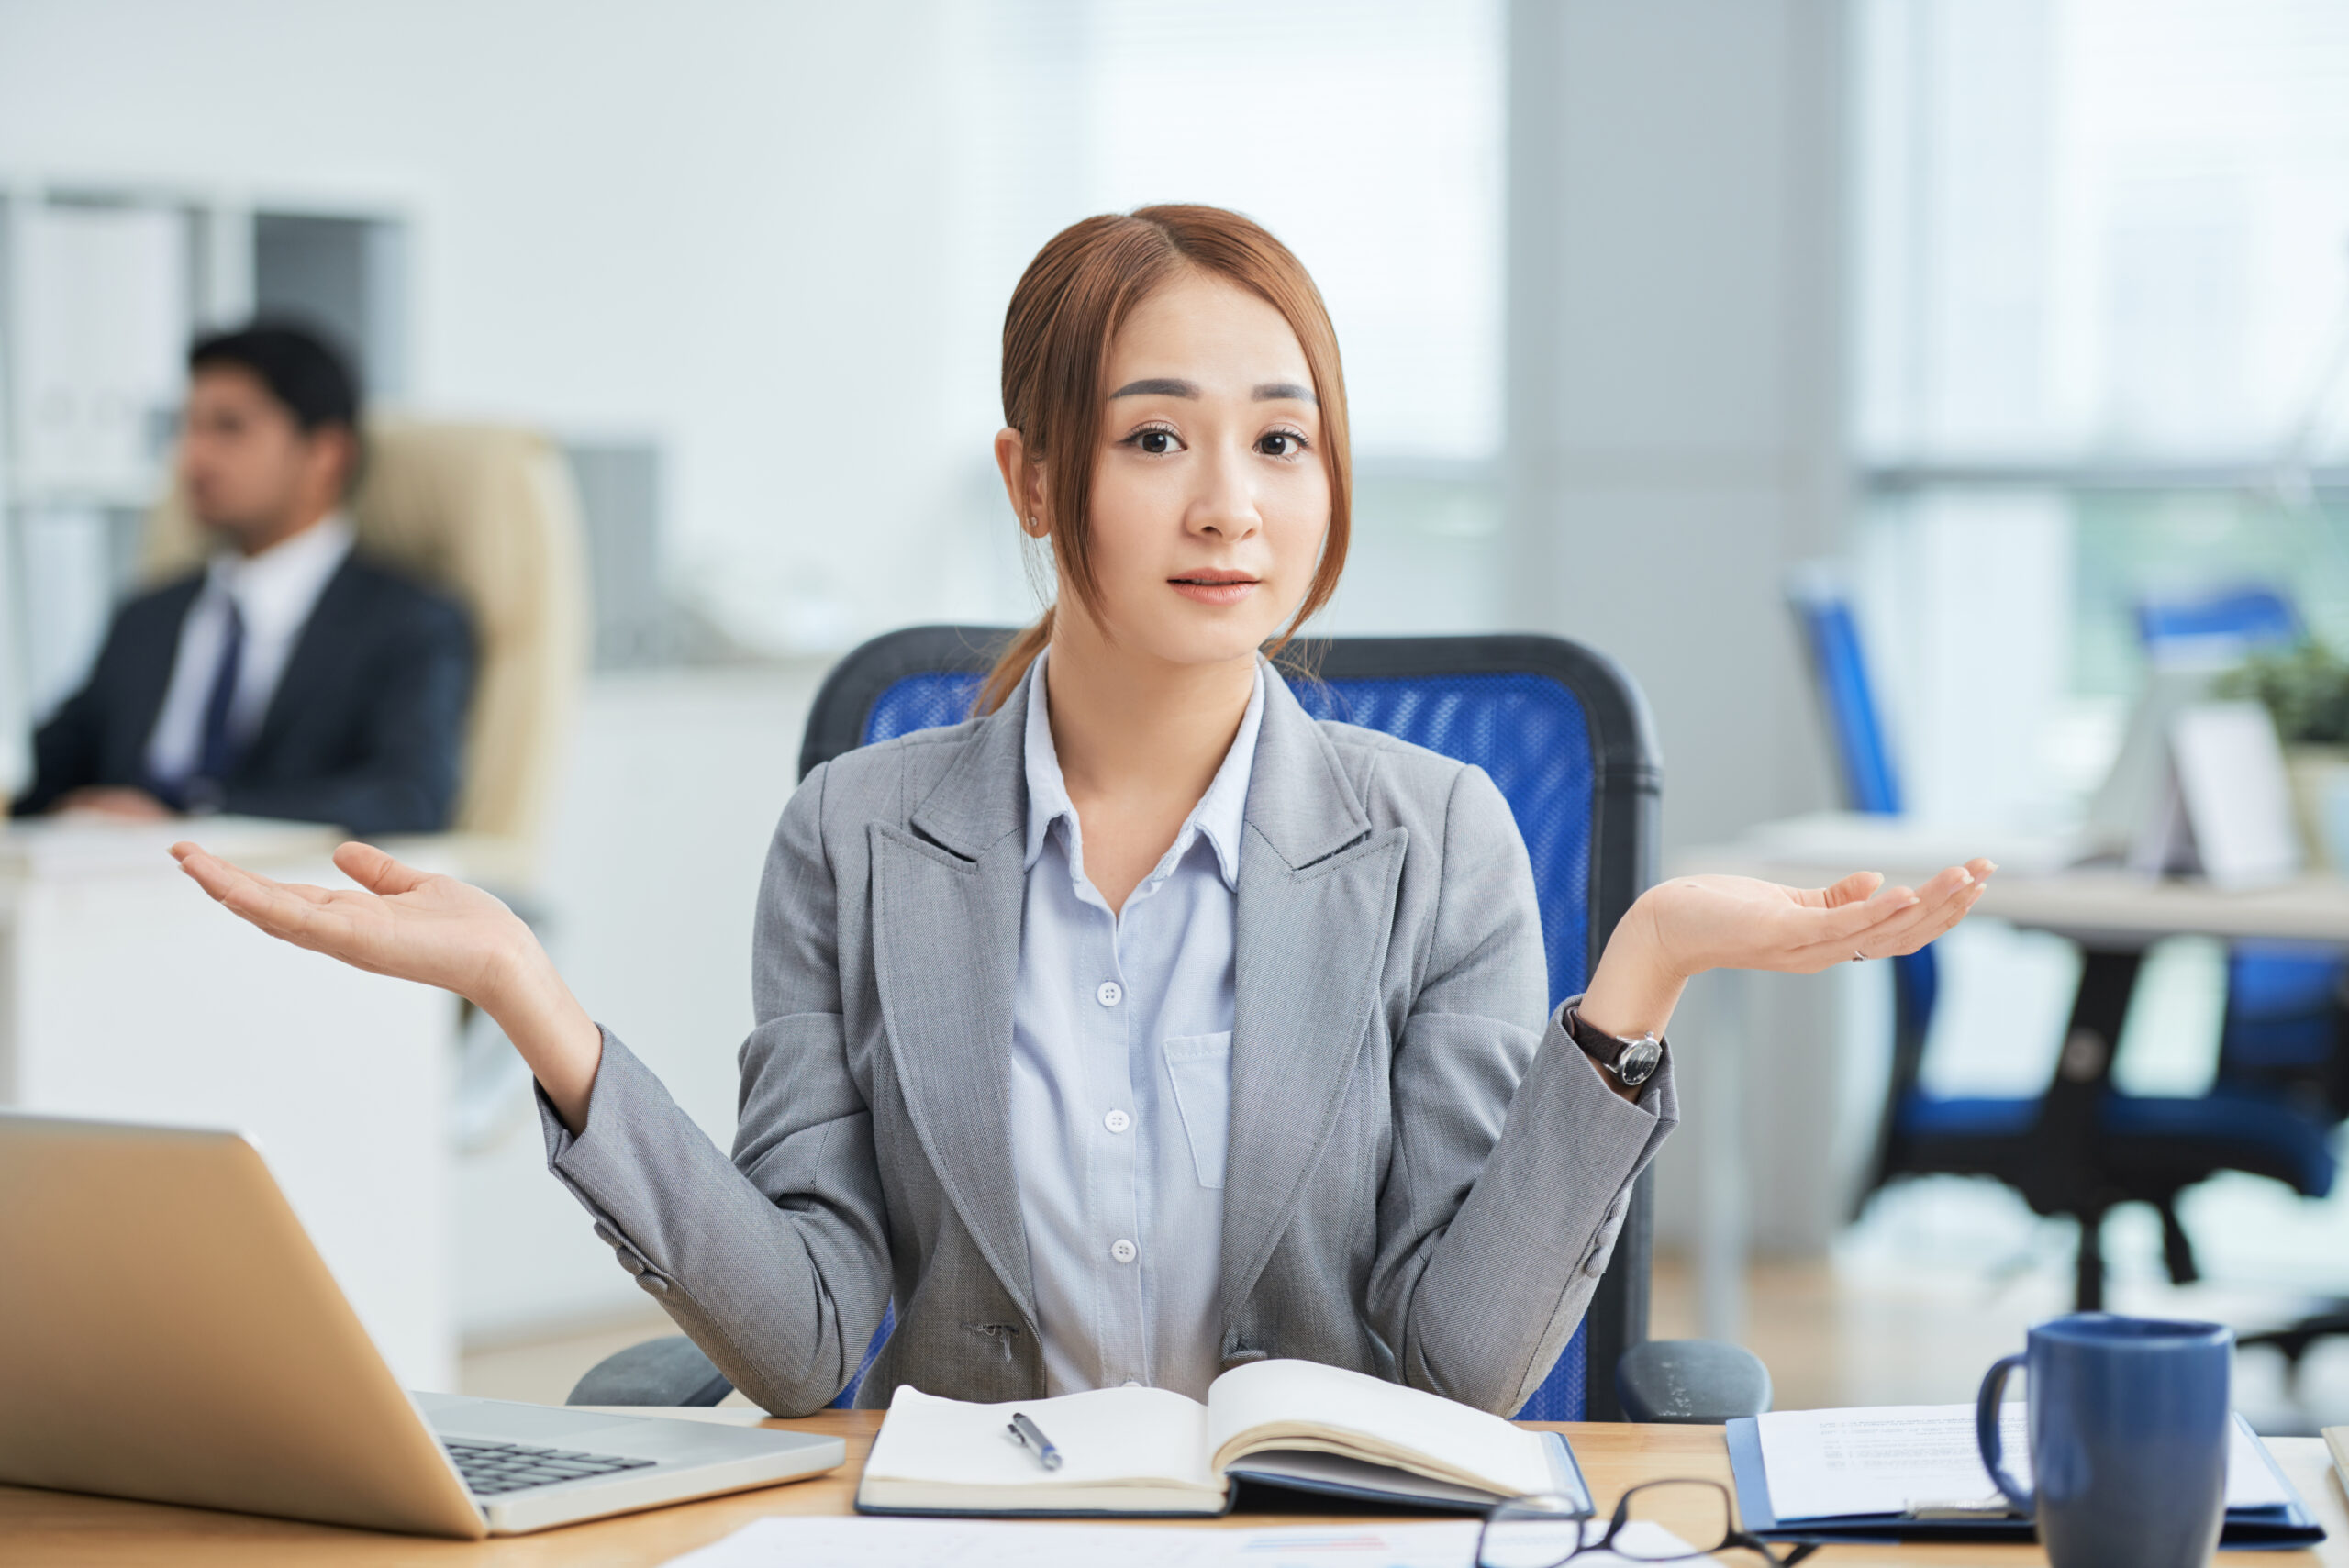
[
  {"x": 1695, "y": 923},
  {"x": 1691, "y": 924}
]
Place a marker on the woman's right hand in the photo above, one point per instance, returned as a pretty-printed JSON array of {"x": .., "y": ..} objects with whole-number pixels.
[{"x": 434, "y": 929}]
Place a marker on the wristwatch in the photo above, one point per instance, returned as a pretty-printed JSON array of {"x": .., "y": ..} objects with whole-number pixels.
[{"x": 1632, "y": 1062}]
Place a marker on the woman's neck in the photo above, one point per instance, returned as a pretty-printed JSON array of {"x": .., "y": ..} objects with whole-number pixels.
[{"x": 1139, "y": 741}]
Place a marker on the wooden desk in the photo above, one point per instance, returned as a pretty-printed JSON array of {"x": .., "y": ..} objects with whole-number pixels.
[{"x": 70, "y": 1531}]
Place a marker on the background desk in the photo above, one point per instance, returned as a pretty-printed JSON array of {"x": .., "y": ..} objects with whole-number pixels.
[
  {"x": 126, "y": 994},
  {"x": 2113, "y": 915},
  {"x": 68, "y": 1531}
]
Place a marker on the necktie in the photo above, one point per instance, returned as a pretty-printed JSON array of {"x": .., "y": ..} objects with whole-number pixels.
[{"x": 218, "y": 753}]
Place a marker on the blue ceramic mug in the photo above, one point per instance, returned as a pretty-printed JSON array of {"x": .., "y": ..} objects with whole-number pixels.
[{"x": 2130, "y": 1427}]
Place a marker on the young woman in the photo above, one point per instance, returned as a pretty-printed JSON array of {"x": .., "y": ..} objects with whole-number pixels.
[{"x": 1143, "y": 1025}]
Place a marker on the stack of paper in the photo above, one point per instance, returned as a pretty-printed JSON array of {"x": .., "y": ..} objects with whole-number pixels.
[{"x": 1907, "y": 1470}]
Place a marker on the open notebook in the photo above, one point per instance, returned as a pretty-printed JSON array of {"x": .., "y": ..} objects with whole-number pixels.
[{"x": 1147, "y": 1451}]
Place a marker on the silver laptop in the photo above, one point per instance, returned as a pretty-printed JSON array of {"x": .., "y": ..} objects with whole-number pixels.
[{"x": 168, "y": 1333}]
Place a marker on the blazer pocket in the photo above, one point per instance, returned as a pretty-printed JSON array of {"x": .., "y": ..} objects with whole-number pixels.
[{"x": 1199, "y": 1066}]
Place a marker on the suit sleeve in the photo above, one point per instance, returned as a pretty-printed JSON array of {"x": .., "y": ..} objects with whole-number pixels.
[
  {"x": 405, "y": 776},
  {"x": 68, "y": 747},
  {"x": 775, "y": 1262},
  {"x": 1514, "y": 1159}
]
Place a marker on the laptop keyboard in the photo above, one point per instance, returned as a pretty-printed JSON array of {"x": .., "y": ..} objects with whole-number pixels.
[{"x": 491, "y": 1468}]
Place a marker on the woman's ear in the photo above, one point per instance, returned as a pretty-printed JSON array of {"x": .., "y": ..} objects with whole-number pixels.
[{"x": 1023, "y": 482}]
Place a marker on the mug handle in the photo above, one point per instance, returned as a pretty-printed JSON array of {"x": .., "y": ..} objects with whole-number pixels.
[{"x": 1985, "y": 1433}]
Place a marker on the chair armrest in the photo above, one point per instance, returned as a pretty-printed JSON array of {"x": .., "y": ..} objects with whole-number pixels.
[
  {"x": 658, "y": 1372},
  {"x": 1691, "y": 1382}
]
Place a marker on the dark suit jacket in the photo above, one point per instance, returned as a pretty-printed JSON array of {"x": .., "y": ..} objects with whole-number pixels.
[{"x": 365, "y": 729}]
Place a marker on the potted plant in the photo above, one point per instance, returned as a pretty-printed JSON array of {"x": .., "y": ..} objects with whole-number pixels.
[{"x": 2306, "y": 691}]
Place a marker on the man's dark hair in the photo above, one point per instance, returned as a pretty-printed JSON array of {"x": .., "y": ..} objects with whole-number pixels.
[{"x": 301, "y": 370}]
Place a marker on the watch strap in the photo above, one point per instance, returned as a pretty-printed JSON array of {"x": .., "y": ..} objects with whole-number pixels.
[{"x": 1610, "y": 1050}]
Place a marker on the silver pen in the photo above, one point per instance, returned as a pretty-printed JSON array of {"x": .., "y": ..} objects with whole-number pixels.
[{"x": 1030, "y": 1436}]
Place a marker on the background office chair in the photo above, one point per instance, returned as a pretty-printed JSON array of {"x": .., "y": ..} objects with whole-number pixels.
[
  {"x": 2284, "y": 1021},
  {"x": 1566, "y": 736},
  {"x": 489, "y": 515},
  {"x": 2084, "y": 1146}
]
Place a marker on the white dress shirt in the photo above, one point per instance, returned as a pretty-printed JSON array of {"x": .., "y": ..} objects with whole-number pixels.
[
  {"x": 1121, "y": 1082},
  {"x": 274, "y": 592}
]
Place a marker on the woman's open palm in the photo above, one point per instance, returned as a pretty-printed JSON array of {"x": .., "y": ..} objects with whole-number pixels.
[
  {"x": 1739, "y": 922},
  {"x": 399, "y": 921}
]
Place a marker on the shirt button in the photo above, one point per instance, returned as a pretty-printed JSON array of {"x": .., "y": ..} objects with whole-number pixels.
[
  {"x": 1132, "y": 1383},
  {"x": 1117, "y": 1121},
  {"x": 1110, "y": 994},
  {"x": 1122, "y": 1250}
]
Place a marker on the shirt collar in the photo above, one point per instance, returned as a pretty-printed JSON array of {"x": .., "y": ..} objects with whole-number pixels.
[
  {"x": 282, "y": 583},
  {"x": 1217, "y": 816}
]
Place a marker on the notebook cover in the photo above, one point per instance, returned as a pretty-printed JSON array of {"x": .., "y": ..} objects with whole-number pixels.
[
  {"x": 2270, "y": 1528},
  {"x": 1564, "y": 1471}
]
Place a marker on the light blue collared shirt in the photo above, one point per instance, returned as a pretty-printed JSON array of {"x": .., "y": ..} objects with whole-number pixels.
[{"x": 1121, "y": 1082}]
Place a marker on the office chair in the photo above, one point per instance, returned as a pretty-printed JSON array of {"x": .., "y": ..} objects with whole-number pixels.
[
  {"x": 2284, "y": 1025},
  {"x": 1566, "y": 736},
  {"x": 2084, "y": 1146},
  {"x": 489, "y": 514}
]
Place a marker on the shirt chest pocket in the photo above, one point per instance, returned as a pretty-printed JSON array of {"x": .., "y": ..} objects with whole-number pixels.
[{"x": 1200, "y": 1067}]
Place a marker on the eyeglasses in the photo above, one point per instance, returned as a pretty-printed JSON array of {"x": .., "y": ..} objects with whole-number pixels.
[{"x": 1657, "y": 1521}]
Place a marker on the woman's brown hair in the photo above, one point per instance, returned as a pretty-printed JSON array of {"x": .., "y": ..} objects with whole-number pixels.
[{"x": 1070, "y": 302}]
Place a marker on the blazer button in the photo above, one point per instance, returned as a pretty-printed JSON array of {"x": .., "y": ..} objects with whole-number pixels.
[{"x": 653, "y": 1283}]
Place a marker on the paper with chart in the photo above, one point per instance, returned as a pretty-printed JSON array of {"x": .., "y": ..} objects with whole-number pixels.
[
  {"x": 1903, "y": 1459},
  {"x": 786, "y": 1543}
]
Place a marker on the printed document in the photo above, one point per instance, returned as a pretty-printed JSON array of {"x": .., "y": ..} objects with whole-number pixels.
[{"x": 1913, "y": 1458}]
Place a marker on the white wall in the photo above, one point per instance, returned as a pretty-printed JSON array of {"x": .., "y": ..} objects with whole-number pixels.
[{"x": 712, "y": 222}]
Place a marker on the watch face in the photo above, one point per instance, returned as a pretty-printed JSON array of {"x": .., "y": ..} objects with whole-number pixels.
[{"x": 1639, "y": 1061}]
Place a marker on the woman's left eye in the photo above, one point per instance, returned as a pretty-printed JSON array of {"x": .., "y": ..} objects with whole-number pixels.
[{"x": 1280, "y": 443}]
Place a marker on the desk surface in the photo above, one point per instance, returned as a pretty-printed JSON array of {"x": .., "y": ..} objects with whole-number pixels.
[{"x": 68, "y": 1531}]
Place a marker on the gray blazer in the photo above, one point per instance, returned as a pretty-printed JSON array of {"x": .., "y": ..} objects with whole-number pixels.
[{"x": 1426, "y": 1176}]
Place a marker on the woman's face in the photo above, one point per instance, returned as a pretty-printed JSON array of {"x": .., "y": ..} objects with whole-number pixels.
[{"x": 1210, "y": 497}]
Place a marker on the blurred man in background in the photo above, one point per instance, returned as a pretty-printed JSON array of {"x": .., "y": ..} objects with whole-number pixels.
[{"x": 290, "y": 678}]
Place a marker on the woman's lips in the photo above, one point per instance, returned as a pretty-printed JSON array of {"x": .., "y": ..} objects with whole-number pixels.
[{"x": 1214, "y": 587}]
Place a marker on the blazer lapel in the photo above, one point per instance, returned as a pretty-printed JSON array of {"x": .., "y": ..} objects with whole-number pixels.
[
  {"x": 314, "y": 664},
  {"x": 946, "y": 909},
  {"x": 1315, "y": 909}
]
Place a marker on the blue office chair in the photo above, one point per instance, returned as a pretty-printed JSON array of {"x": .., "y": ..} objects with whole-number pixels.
[
  {"x": 2083, "y": 1146},
  {"x": 2283, "y": 1029},
  {"x": 1566, "y": 736},
  {"x": 2283, "y": 1019},
  {"x": 1864, "y": 759},
  {"x": 2219, "y": 628}
]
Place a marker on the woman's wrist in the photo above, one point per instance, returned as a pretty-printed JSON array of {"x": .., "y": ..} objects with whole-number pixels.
[
  {"x": 547, "y": 1025},
  {"x": 1635, "y": 987}
]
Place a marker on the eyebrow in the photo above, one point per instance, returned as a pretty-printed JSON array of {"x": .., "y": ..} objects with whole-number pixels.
[{"x": 1170, "y": 386}]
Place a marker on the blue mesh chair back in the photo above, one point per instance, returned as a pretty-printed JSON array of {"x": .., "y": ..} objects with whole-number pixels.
[
  {"x": 1561, "y": 731},
  {"x": 2216, "y": 628}
]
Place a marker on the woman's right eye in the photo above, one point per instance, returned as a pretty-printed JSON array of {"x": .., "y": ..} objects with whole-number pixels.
[{"x": 1156, "y": 442}]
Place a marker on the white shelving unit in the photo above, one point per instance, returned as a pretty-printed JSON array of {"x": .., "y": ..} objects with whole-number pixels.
[{"x": 102, "y": 284}]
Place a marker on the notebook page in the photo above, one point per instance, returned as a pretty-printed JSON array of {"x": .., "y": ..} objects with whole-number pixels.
[
  {"x": 1464, "y": 1444},
  {"x": 1105, "y": 1437},
  {"x": 1831, "y": 1463}
]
